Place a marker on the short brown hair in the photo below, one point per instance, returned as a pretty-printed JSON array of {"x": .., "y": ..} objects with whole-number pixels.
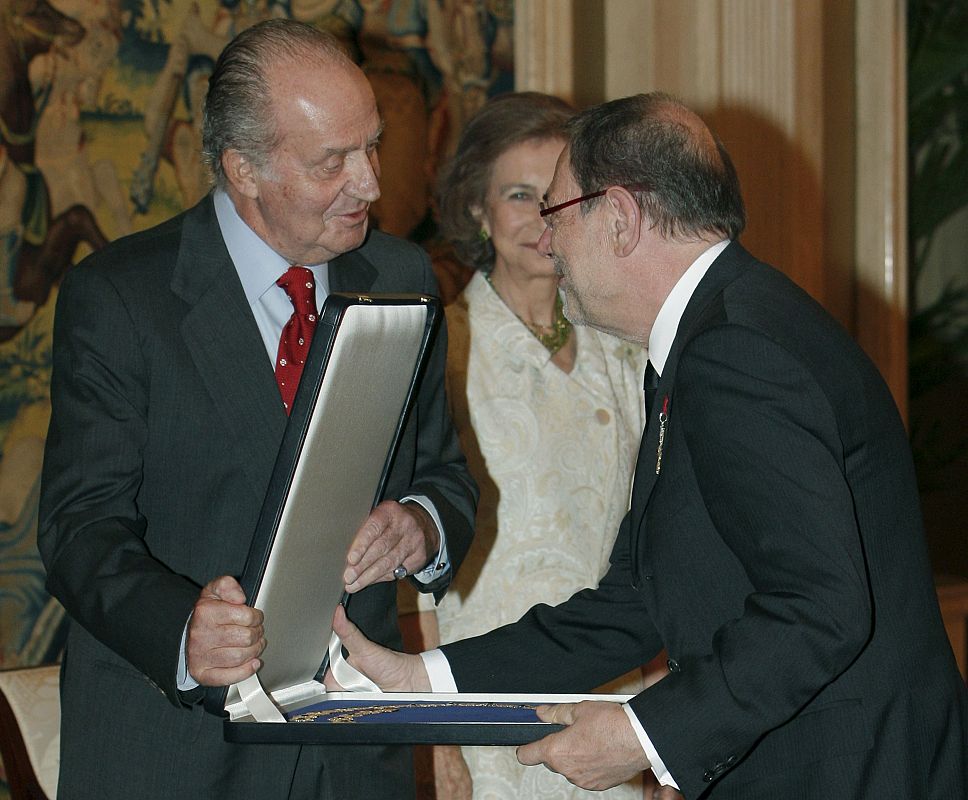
[
  {"x": 689, "y": 188},
  {"x": 503, "y": 122}
]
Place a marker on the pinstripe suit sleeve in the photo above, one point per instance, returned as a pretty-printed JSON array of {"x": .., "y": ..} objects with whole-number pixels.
[{"x": 91, "y": 534}]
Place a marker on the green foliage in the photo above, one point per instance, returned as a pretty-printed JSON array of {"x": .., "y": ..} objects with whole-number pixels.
[
  {"x": 938, "y": 339},
  {"x": 938, "y": 188},
  {"x": 938, "y": 174},
  {"x": 937, "y": 116}
]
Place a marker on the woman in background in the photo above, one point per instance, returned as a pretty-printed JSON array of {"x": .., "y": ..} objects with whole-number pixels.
[{"x": 549, "y": 417}]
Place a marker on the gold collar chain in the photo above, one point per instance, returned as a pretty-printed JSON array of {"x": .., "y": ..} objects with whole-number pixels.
[{"x": 552, "y": 337}]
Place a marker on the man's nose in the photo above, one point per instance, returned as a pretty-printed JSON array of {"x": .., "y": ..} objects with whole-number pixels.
[
  {"x": 365, "y": 181},
  {"x": 544, "y": 243}
]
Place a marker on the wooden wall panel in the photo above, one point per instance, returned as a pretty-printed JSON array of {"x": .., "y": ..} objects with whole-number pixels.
[
  {"x": 808, "y": 97},
  {"x": 881, "y": 209},
  {"x": 543, "y": 57}
]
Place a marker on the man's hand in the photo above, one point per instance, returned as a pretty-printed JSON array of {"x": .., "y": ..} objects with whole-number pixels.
[
  {"x": 598, "y": 749},
  {"x": 225, "y": 636},
  {"x": 388, "y": 669},
  {"x": 393, "y": 535}
]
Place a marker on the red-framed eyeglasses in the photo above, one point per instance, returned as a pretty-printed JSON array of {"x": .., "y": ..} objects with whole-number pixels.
[{"x": 545, "y": 210}]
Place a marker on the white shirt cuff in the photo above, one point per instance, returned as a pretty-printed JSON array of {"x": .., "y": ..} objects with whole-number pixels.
[
  {"x": 662, "y": 775},
  {"x": 441, "y": 564},
  {"x": 185, "y": 681},
  {"x": 438, "y": 670}
]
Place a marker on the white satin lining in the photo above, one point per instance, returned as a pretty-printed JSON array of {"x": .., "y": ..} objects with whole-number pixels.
[
  {"x": 347, "y": 676},
  {"x": 261, "y": 706},
  {"x": 258, "y": 703}
]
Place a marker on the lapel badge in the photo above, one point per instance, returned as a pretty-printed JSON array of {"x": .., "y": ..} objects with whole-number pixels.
[{"x": 663, "y": 420}]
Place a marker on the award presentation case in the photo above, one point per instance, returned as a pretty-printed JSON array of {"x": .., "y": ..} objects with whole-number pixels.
[{"x": 357, "y": 387}]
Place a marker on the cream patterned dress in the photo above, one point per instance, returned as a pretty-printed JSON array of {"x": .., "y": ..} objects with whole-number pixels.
[{"x": 553, "y": 454}]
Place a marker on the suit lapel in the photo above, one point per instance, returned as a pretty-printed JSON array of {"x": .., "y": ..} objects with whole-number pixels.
[
  {"x": 723, "y": 271},
  {"x": 225, "y": 344},
  {"x": 351, "y": 272},
  {"x": 645, "y": 467}
]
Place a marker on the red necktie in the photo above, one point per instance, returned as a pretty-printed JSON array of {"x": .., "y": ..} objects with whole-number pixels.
[{"x": 297, "y": 333}]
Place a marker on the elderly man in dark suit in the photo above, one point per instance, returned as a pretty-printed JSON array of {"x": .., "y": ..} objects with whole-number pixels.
[
  {"x": 774, "y": 543},
  {"x": 167, "y": 419}
]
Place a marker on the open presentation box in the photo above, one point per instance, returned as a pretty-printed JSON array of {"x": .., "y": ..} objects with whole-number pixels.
[{"x": 358, "y": 384}]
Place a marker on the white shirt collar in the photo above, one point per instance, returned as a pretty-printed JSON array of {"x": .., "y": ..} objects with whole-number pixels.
[{"x": 667, "y": 321}]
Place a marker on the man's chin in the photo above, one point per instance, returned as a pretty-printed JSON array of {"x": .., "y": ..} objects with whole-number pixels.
[
  {"x": 349, "y": 239},
  {"x": 570, "y": 308}
]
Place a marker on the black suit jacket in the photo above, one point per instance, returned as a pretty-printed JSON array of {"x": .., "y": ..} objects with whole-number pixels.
[
  {"x": 776, "y": 552},
  {"x": 165, "y": 428}
]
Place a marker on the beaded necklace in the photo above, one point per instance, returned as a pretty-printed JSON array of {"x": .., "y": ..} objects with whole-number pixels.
[{"x": 552, "y": 337}]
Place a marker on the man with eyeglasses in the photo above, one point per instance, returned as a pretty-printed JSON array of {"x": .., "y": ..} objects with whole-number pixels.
[{"x": 774, "y": 543}]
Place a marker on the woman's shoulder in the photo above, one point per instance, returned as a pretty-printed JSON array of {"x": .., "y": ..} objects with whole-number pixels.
[
  {"x": 469, "y": 301},
  {"x": 457, "y": 311},
  {"x": 457, "y": 315}
]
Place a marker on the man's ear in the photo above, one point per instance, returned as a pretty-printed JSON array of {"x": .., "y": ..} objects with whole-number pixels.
[
  {"x": 240, "y": 173},
  {"x": 624, "y": 220}
]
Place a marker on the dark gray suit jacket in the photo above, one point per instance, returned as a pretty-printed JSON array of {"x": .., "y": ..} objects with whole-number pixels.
[
  {"x": 777, "y": 554},
  {"x": 165, "y": 428}
]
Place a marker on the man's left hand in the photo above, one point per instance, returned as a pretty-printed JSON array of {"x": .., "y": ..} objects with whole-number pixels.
[
  {"x": 598, "y": 749},
  {"x": 393, "y": 535}
]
